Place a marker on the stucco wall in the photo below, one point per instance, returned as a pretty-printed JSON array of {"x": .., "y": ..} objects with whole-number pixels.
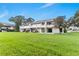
[{"x": 55, "y": 30}]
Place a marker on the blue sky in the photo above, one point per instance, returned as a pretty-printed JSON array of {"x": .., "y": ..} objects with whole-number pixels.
[{"x": 38, "y": 11}]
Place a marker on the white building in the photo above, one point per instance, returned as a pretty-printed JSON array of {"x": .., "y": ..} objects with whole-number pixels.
[
  {"x": 73, "y": 28},
  {"x": 7, "y": 27},
  {"x": 44, "y": 26}
]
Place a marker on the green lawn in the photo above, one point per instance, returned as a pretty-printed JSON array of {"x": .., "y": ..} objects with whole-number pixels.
[{"x": 35, "y": 44}]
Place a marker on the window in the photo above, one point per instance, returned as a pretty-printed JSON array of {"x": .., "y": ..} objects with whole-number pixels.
[
  {"x": 49, "y": 23},
  {"x": 43, "y": 23}
]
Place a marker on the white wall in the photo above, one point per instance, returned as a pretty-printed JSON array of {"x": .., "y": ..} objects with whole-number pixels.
[{"x": 55, "y": 30}]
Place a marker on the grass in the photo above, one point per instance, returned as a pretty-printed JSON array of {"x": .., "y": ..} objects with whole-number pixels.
[{"x": 35, "y": 44}]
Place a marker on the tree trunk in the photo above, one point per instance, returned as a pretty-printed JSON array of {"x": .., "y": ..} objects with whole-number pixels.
[
  {"x": 17, "y": 28},
  {"x": 65, "y": 31}
]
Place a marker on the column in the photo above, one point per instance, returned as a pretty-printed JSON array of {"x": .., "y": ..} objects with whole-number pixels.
[
  {"x": 40, "y": 30},
  {"x": 45, "y": 27},
  {"x": 52, "y": 30},
  {"x": 30, "y": 27}
]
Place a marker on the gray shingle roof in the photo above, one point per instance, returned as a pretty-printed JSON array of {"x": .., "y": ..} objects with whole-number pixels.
[{"x": 39, "y": 21}]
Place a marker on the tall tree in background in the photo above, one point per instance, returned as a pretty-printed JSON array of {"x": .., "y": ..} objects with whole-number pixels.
[
  {"x": 76, "y": 14},
  {"x": 30, "y": 20},
  {"x": 74, "y": 20},
  {"x": 71, "y": 21},
  {"x": 17, "y": 20},
  {"x": 60, "y": 22}
]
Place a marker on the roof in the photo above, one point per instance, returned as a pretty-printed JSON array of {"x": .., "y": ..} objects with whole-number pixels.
[
  {"x": 7, "y": 24},
  {"x": 40, "y": 21}
]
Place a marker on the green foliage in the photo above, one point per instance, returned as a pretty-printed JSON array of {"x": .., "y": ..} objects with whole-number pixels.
[
  {"x": 74, "y": 19},
  {"x": 76, "y": 14},
  {"x": 17, "y": 20},
  {"x": 30, "y": 20},
  {"x": 61, "y": 23}
]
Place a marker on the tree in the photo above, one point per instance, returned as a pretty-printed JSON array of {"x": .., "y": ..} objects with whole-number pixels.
[
  {"x": 17, "y": 20},
  {"x": 71, "y": 21},
  {"x": 1, "y": 25},
  {"x": 76, "y": 14},
  {"x": 74, "y": 20},
  {"x": 30, "y": 20},
  {"x": 60, "y": 22}
]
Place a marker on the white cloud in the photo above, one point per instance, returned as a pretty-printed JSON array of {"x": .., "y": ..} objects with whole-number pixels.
[
  {"x": 47, "y": 5},
  {"x": 5, "y": 13}
]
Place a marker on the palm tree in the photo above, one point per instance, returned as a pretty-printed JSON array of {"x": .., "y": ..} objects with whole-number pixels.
[{"x": 17, "y": 20}]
